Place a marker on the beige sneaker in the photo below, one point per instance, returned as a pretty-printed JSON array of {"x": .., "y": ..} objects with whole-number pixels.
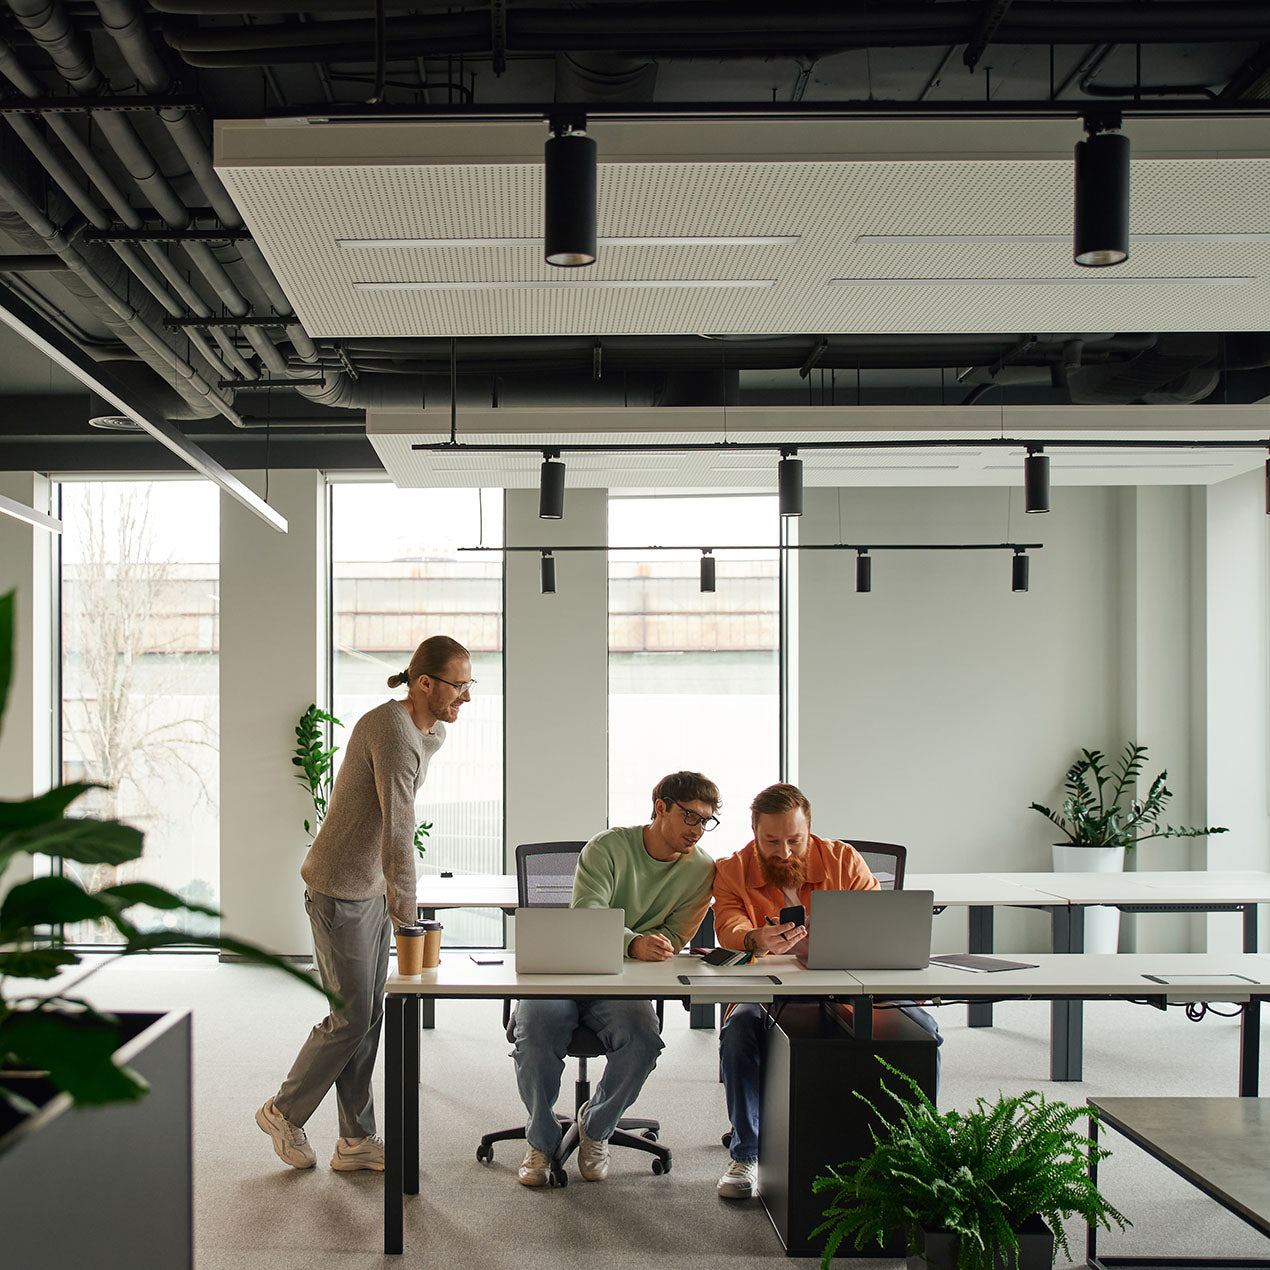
[
  {"x": 740, "y": 1181},
  {"x": 352, "y": 1154},
  {"x": 289, "y": 1140},
  {"x": 593, "y": 1155},
  {"x": 535, "y": 1169}
]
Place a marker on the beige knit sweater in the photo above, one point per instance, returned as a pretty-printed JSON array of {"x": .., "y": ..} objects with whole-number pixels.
[{"x": 365, "y": 846}]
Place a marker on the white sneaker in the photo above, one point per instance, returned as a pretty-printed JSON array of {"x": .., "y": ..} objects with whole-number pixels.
[
  {"x": 740, "y": 1181},
  {"x": 593, "y": 1155},
  {"x": 535, "y": 1168},
  {"x": 352, "y": 1154},
  {"x": 289, "y": 1140}
]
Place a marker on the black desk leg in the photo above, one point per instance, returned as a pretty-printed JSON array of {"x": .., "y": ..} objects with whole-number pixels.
[
  {"x": 1091, "y": 1231},
  {"x": 701, "y": 1016},
  {"x": 410, "y": 1097},
  {"x": 1250, "y": 928},
  {"x": 862, "y": 1018},
  {"x": 979, "y": 1014},
  {"x": 394, "y": 1099},
  {"x": 1067, "y": 1018},
  {"x": 1249, "y": 1047},
  {"x": 428, "y": 1011}
]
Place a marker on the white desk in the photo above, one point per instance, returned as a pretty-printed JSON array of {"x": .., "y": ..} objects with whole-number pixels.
[{"x": 1057, "y": 976}]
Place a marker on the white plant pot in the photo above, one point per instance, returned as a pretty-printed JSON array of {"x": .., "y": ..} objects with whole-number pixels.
[{"x": 1102, "y": 924}]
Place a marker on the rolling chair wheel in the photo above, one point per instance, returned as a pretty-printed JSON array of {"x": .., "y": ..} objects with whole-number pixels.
[
  {"x": 485, "y": 1154},
  {"x": 649, "y": 1134},
  {"x": 726, "y": 1139},
  {"x": 559, "y": 1177},
  {"x": 660, "y": 1166}
]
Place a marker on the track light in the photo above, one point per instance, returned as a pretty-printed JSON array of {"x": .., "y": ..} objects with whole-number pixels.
[
  {"x": 1101, "y": 232},
  {"x": 1036, "y": 481},
  {"x": 789, "y": 484},
  {"x": 551, "y": 487},
  {"x": 707, "y": 571},
  {"x": 1018, "y": 572},
  {"x": 569, "y": 182},
  {"x": 547, "y": 574},
  {"x": 1268, "y": 487},
  {"x": 863, "y": 572}
]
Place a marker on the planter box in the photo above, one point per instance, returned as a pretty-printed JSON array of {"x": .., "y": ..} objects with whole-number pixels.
[
  {"x": 108, "y": 1187},
  {"x": 937, "y": 1249}
]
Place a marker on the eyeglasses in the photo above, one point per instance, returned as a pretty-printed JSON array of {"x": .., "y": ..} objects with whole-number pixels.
[
  {"x": 693, "y": 818},
  {"x": 465, "y": 686}
]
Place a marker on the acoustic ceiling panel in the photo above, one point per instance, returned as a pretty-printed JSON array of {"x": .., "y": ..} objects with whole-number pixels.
[{"x": 299, "y": 206}]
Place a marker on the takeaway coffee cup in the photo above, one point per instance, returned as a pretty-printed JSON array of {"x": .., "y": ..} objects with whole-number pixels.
[
  {"x": 411, "y": 943},
  {"x": 431, "y": 932}
]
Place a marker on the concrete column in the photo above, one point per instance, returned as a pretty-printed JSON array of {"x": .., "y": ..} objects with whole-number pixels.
[
  {"x": 273, "y": 665},
  {"x": 556, "y": 666}
]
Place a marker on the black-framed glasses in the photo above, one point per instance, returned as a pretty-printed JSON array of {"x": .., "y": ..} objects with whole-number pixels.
[
  {"x": 465, "y": 686},
  {"x": 694, "y": 818}
]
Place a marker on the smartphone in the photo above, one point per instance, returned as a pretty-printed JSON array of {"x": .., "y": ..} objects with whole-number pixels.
[
  {"x": 726, "y": 957},
  {"x": 795, "y": 913},
  {"x": 486, "y": 959}
]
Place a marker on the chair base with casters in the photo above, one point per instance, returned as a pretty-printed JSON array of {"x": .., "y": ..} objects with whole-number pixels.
[{"x": 637, "y": 1133}]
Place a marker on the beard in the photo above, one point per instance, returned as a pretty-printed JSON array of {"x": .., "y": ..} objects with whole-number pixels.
[{"x": 789, "y": 874}]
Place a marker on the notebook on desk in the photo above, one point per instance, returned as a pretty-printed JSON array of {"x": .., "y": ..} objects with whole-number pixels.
[
  {"x": 569, "y": 941},
  {"x": 869, "y": 930}
]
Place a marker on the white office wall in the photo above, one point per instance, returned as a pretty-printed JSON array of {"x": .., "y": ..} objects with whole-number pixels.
[
  {"x": 272, "y": 665},
  {"x": 556, "y": 668},
  {"x": 935, "y": 708},
  {"x": 26, "y": 739},
  {"x": 1238, "y": 636}
]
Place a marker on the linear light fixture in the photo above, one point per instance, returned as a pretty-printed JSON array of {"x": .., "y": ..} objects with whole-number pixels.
[
  {"x": 629, "y": 284},
  {"x": 20, "y": 511},
  {"x": 664, "y": 240},
  {"x": 1079, "y": 280},
  {"x": 159, "y": 429},
  {"x": 978, "y": 239}
]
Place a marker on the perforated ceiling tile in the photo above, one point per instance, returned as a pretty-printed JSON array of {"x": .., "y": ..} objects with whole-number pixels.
[{"x": 298, "y": 210}]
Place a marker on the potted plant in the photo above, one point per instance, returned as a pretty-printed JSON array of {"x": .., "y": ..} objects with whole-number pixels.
[
  {"x": 1100, "y": 822},
  {"x": 71, "y": 1076},
  {"x": 980, "y": 1190}
]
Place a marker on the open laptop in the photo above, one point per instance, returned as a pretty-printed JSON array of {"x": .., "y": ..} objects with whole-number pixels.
[
  {"x": 573, "y": 941},
  {"x": 869, "y": 930}
]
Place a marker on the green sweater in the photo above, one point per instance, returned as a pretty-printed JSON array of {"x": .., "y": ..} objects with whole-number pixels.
[{"x": 664, "y": 897}]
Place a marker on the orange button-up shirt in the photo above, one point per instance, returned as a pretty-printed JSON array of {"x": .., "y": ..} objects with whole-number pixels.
[{"x": 743, "y": 900}]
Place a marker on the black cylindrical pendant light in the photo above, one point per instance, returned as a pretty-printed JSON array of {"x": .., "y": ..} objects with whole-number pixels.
[
  {"x": 547, "y": 574},
  {"x": 1036, "y": 482},
  {"x": 789, "y": 486},
  {"x": 1018, "y": 572},
  {"x": 569, "y": 180},
  {"x": 551, "y": 490},
  {"x": 864, "y": 572},
  {"x": 1101, "y": 234},
  {"x": 707, "y": 571}
]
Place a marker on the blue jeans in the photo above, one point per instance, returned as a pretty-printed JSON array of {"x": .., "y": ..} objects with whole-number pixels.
[
  {"x": 544, "y": 1027},
  {"x": 742, "y": 1052}
]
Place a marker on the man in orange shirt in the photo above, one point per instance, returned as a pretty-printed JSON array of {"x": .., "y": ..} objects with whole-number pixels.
[{"x": 781, "y": 867}]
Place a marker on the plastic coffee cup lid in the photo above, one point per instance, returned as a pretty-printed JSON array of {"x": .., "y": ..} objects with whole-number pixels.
[
  {"x": 409, "y": 930},
  {"x": 430, "y": 925}
]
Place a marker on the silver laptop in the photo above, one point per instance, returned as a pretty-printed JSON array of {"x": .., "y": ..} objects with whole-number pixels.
[
  {"x": 569, "y": 941},
  {"x": 869, "y": 930}
]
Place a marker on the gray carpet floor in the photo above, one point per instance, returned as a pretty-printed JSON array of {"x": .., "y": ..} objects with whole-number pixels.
[{"x": 254, "y": 1213}]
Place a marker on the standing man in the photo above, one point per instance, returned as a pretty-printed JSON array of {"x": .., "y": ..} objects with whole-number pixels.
[
  {"x": 359, "y": 873},
  {"x": 661, "y": 878},
  {"x": 781, "y": 867}
]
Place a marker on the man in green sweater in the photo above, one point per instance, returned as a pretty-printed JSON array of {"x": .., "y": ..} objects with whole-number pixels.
[{"x": 662, "y": 880}]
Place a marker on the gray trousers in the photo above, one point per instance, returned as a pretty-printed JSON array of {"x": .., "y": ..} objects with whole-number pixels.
[{"x": 351, "y": 940}]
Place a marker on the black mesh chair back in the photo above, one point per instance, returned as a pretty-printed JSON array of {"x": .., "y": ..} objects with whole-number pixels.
[
  {"x": 885, "y": 861},
  {"x": 544, "y": 873}
]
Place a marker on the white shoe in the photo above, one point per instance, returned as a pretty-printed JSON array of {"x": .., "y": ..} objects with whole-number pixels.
[
  {"x": 535, "y": 1168},
  {"x": 593, "y": 1155},
  {"x": 740, "y": 1181},
  {"x": 289, "y": 1140},
  {"x": 352, "y": 1154}
]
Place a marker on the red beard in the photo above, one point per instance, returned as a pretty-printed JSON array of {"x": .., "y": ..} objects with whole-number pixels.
[{"x": 789, "y": 874}]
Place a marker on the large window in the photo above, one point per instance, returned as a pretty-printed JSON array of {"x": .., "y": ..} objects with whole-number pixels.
[
  {"x": 140, "y": 681},
  {"x": 693, "y": 676},
  {"x": 399, "y": 577}
]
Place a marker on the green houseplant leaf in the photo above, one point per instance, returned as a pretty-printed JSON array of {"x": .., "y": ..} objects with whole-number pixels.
[{"x": 314, "y": 758}]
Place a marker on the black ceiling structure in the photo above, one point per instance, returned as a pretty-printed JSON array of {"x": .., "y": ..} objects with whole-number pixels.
[{"x": 118, "y": 238}]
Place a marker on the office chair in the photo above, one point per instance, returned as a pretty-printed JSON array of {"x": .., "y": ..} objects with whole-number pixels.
[
  {"x": 885, "y": 860},
  {"x": 544, "y": 879}
]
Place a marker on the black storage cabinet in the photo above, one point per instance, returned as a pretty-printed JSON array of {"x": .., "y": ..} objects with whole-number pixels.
[{"x": 811, "y": 1117}]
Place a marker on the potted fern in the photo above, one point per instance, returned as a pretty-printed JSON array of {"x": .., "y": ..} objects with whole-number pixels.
[
  {"x": 980, "y": 1190},
  {"x": 1101, "y": 819}
]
